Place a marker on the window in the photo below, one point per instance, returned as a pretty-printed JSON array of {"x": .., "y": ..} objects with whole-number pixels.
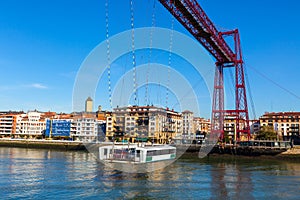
[{"x": 150, "y": 153}]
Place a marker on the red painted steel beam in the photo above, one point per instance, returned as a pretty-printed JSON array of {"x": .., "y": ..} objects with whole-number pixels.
[{"x": 193, "y": 18}]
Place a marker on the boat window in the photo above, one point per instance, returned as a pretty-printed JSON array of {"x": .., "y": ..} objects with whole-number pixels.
[
  {"x": 163, "y": 152},
  {"x": 150, "y": 153}
]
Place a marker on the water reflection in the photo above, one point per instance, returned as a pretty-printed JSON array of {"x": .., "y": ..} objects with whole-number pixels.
[
  {"x": 230, "y": 180},
  {"x": 37, "y": 174}
]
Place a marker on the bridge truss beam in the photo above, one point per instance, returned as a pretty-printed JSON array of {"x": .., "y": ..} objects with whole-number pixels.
[{"x": 194, "y": 19}]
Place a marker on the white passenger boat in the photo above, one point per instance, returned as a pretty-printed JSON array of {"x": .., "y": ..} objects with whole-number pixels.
[{"x": 136, "y": 153}]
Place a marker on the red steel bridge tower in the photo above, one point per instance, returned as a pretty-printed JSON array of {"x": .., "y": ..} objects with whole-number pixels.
[{"x": 193, "y": 18}]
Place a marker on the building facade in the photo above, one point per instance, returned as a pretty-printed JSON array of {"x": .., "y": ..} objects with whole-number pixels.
[
  {"x": 188, "y": 121},
  {"x": 201, "y": 125},
  {"x": 87, "y": 128},
  {"x": 8, "y": 123},
  {"x": 30, "y": 125},
  {"x": 89, "y": 105},
  {"x": 286, "y": 124},
  {"x": 229, "y": 127},
  {"x": 58, "y": 128},
  {"x": 142, "y": 123}
]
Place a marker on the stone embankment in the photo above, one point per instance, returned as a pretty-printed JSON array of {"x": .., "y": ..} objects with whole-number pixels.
[
  {"x": 289, "y": 153},
  {"x": 44, "y": 144}
]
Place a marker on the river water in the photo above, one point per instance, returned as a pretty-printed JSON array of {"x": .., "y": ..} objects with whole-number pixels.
[{"x": 51, "y": 174}]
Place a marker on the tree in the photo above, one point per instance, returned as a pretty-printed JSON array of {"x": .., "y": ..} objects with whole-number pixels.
[{"x": 266, "y": 133}]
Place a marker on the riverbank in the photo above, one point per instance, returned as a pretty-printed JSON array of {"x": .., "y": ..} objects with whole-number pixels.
[
  {"x": 289, "y": 153},
  {"x": 43, "y": 144},
  {"x": 293, "y": 151},
  {"x": 292, "y": 154},
  {"x": 286, "y": 153}
]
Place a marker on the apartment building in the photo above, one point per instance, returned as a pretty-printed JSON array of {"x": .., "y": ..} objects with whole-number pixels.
[
  {"x": 143, "y": 123},
  {"x": 8, "y": 121},
  {"x": 229, "y": 126},
  {"x": 30, "y": 125},
  {"x": 188, "y": 121},
  {"x": 87, "y": 128},
  {"x": 201, "y": 125},
  {"x": 230, "y": 129},
  {"x": 286, "y": 124}
]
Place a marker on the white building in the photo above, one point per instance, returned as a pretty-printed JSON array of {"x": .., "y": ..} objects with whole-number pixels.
[
  {"x": 30, "y": 125},
  {"x": 188, "y": 118},
  {"x": 87, "y": 128}
]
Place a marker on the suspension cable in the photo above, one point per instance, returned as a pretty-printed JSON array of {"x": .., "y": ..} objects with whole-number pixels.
[
  {"x": 232, "y": 81},
  {"x": 170, "y": 60},
  {"x": 150, "y": 55},
  {"x": 108, "y": 52},
  {"x": 133, "y": 51},
  {"x": 249, "y": 92}
]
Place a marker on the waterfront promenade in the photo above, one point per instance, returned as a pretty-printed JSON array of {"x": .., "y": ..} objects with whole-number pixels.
[{"x": 43, "y": 144}]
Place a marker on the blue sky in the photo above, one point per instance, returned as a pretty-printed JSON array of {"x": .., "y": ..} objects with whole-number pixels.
[{"x": 43, "y": 43}]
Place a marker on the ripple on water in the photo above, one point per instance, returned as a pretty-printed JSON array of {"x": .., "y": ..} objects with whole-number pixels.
[{"x": 48, "y": 174}]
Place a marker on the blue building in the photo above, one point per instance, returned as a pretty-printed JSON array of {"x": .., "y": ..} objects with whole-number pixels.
[{"x": 58, "y": 128}]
